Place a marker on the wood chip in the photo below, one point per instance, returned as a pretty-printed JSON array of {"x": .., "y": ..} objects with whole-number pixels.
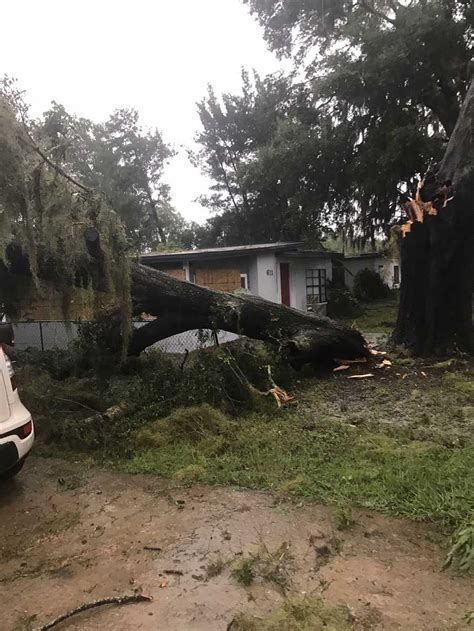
[
  {"x": 342, "y": 367},
  {"x": 365, "y": 376},
  {"x": 405, "y": 376},
  {"x": 385, "y": 363},
  {"x": 424, "y": 374}
]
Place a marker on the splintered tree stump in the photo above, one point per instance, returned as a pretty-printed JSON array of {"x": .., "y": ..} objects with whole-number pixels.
[
  {"x": 435, "y": 312},
  {"x": 180, "y": 306}
]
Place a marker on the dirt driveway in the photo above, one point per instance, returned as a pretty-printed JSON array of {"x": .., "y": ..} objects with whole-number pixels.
[{"x": 70, "y": 535}]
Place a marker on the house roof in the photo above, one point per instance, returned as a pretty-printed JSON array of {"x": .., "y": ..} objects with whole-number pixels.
[
  {"x": 367, "y": 255},
  {"x": 217, "y": 253},
  {"x": 312, "y": 254}
]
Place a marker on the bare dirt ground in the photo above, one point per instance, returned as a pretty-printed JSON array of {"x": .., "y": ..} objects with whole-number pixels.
[{"x": 70, "y": 535}]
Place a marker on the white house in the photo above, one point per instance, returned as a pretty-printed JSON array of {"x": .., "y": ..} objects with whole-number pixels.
[
  {"x": 283, "y": 272},
  {"x": 388, "y": 268}
]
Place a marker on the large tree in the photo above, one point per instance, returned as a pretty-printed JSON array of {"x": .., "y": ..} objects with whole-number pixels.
[
  {"x": 391, "y": 74},
  {"x": 275, "y": 158},
  {"x": 56, "y": 228},
  {"x": 123, "y": 161},
  {"x": 397, "y": 73}
]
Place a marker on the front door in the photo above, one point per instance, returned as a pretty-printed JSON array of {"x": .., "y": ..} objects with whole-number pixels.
[{"x": 285, "y": 283}]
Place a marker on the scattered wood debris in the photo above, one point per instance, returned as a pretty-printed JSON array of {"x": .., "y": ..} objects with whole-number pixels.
[
  {"x": 341, "y": 367},
  {"x": 281, "y": 397},
  {"x": 152, "y": 548},
  {"x": 374, "y": 351},
  {"x": 385, "y": 363},
  {"x": 364, "y": 376}
]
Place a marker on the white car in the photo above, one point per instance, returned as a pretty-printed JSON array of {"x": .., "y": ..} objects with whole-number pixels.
[{"x": 16, "y": 426}]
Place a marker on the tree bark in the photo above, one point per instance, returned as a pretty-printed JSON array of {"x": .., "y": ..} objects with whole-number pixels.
[
  {"x": 435, "y": 312},
  {"x": 180, "y": 306}
]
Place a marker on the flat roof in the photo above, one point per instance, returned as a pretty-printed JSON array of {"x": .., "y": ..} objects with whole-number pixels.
[
  {"x": 215, "y": 253},
  {"x": 312, "y": 254},
  {"x": 367, "y": 255}
]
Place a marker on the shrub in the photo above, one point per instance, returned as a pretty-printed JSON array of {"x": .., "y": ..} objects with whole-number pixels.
[
  {"x": 342, "y": 304},
  {"x": 368, "y": 286},
  {"x": 193, "y": 423}
]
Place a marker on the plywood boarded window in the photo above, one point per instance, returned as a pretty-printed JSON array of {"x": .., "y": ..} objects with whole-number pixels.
[
  {"x": 176, "y": 273},
  {"x": 226, "y": 279}
]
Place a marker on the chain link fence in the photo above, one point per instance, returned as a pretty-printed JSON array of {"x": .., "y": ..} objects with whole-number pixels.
[{"x": 56, "y": 334}]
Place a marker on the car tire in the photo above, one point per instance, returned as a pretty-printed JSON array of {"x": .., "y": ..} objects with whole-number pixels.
[{"x": 13, "y": 471}]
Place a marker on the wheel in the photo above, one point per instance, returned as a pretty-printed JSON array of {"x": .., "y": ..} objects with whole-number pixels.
[{"x": 13, "y": 471}]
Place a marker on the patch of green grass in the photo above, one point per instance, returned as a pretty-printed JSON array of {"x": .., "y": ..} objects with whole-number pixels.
[
  {"x": 343, "y": 518},
  {"x": 266, "y": 565},
  {"x": 298, "y": 614},
  {"x": 334, "y": 463},
  {"x": 461, "y": 553},
  {"x": 377, "y": 317},
  {"x": 244, "y": 572}
]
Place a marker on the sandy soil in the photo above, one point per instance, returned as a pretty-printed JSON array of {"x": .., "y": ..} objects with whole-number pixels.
[{"x": 70, "y": 535}]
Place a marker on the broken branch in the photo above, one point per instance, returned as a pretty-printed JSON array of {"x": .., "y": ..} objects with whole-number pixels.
[{"x": 114, "y": 600}]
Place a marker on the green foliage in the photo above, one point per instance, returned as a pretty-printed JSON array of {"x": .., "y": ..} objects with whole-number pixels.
[
  {"x": 378, "y": 317},
  {"x": 265, "y": 565},
  {"x": 342, "y": 304},
  {"x": 369, "y": 286},
  {"x": 343, "y": 517},
  {"x": 272, "y": 157},
  {"x": 461, "y": 553},
  {"x": 43, "y": 215},
  {"x": 194, "y": 423},
  {"x": 298, "y": 614},
  {"x": 61, "y": 388},
  {"x": 243, "y": 572},
  {"x": 124, "y": 161},
  {"x": 291, "y": 159},
  {"x": 370, "y": 444}
]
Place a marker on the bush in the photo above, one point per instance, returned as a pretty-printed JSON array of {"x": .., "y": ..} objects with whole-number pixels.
[
  {"x": 368, "y": 286},
  {"x": 195, "y": 423},
  {"x": 342, "y": 304}
]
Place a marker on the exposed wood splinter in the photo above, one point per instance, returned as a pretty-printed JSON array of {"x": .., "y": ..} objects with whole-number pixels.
[{"x": 342, "y": 367}]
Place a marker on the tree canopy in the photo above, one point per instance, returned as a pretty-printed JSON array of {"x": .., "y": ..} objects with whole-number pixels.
[
  {"x": 372, "y": 101},
  {"x": 124, "y": 162}
]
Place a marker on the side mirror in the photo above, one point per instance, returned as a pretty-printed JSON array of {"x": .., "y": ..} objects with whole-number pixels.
[{"x": 7, "y": 336}]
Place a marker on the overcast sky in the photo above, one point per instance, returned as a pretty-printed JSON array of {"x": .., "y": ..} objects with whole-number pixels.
[{"x": 154, "y": 55}]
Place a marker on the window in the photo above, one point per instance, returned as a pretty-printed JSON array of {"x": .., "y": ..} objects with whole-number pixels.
[
  {"x": 396, "y": 275},
  {"x": 244, "y": 281},
  {"x": 315, "y": 286}
]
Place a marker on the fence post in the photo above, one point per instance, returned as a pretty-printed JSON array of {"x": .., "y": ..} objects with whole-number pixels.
[{"x": 41, "y": 336}]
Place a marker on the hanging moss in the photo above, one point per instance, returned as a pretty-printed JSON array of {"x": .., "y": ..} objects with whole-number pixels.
[{"x": 42, "y": 220}]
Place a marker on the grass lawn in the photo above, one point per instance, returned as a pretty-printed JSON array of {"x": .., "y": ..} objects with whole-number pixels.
[
  {"x": 400, "y": 443},
  {"x": 379, "y": 316}
]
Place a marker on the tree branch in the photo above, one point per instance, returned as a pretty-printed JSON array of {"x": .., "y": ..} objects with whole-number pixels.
[{"x": 370, "y": 9}]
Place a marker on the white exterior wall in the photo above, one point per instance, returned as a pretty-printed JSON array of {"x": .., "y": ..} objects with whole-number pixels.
[
  {"x": 268, "y": 285},
  {"x": 354, "y": 265},
  {"x": 298, "y": 269}
]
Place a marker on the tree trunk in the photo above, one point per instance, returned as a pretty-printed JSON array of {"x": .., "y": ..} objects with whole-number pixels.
[
  {"x": 435, "y": 312},
  {"x": 180, "y": 306}
]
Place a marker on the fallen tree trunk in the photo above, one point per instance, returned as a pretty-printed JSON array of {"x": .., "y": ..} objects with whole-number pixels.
[
  {"x": 435, "y": 312},
  {"x": 180, "y": 306}
]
